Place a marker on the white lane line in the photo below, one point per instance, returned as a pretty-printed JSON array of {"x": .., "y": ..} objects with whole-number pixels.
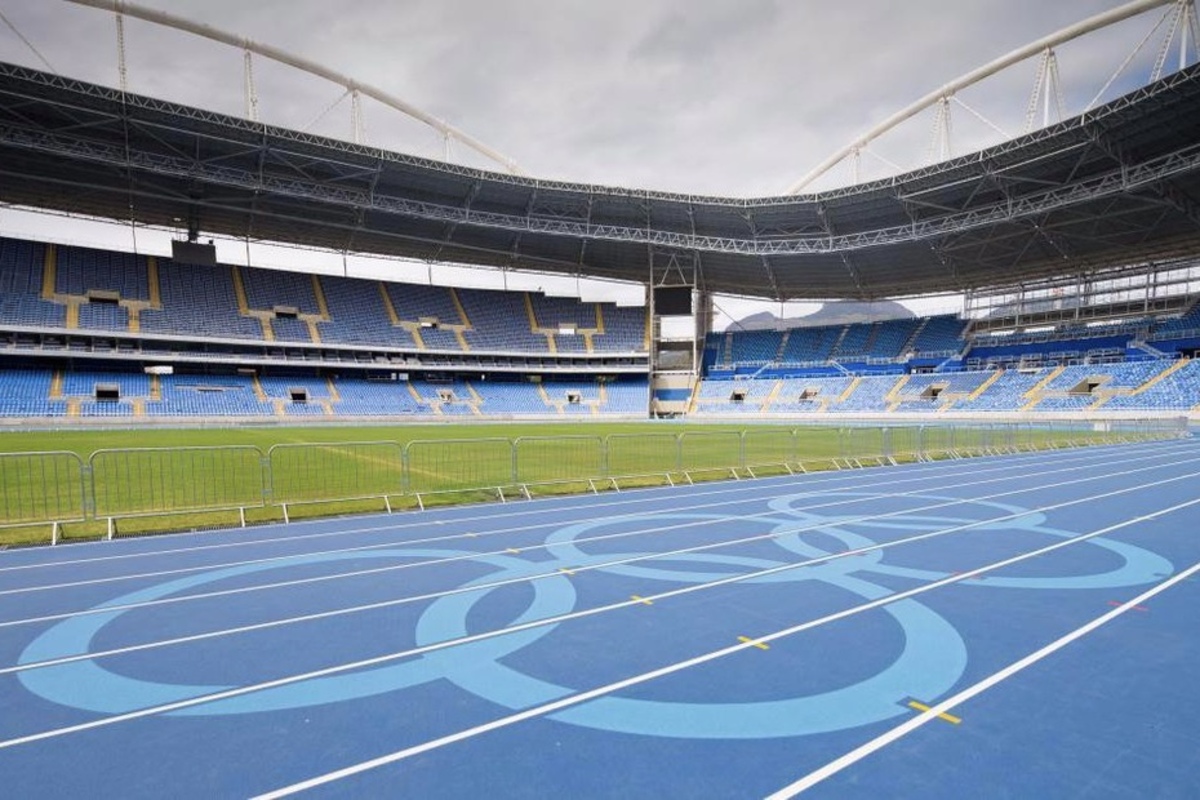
[
  {"x": 520, "y": 529},
  {"x": 907, "y": 727},
  {"x": 566, "y": 701},
  {"x": 819, "y": 481},
  {"x": 639, "y": 532},
  {"x": 689, "y": 589},
  {"x": 592, "y": 694}
]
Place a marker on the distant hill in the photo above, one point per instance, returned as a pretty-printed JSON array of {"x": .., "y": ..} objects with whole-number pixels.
[{"x": 841, "y": 312}]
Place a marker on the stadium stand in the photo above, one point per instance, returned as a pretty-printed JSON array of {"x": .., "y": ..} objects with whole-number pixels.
[
  {"x": 101, "y": 291},
  {"x": 381, "y": 331}
]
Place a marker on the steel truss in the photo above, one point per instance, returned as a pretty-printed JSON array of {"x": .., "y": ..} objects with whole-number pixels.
[{"x": 1111, "y": 186}]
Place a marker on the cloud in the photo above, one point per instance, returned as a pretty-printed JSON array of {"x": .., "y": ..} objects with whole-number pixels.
[{"x": 689, "y": 95}]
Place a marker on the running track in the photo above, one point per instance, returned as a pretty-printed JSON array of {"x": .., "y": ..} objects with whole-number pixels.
[{"x": 1016, "y": 626}]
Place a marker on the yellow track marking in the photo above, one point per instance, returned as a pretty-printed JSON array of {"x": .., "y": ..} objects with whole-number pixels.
[{"x": 953, "y": 720}]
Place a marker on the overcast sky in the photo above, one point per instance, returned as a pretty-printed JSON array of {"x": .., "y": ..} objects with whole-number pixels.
[{"x": 736, "y": 97}]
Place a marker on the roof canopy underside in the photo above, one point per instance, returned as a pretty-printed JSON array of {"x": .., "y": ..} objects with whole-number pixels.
[{"x": 1118, "y": 185}]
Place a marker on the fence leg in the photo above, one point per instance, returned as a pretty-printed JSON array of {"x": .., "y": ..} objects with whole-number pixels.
[
  {"x": 54, "y": 534},
  {"x": 420, "y": 502},
  {"x": 387, "y": 503},
  {"x": 286, "y": 519},
  {"x": 112, "y": 526},
  {"x": 242, "y": 515}
]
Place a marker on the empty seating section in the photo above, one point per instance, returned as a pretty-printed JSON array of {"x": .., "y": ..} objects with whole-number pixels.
[
  {"x": 366, "y": 398},
  {"x": 103, "y": 317},
  {"x": 202, "y": 396},
  {"x": 1188, "y": 324},
  {"x": 891, "y": 336},
  {"x": 1159, "y": 385},
  {"x": 304, "y": 410},
  {"x": 733, "y": 397},
  {"x": 1131, "y": 374},
  {"x": 267, "y": 289},
  {"x": 885, "y": 340},
  {"x": 755, "y": 347},
  {"x": 500, "y": 322},
  {"x": 1007, "y": 393},
  {"x": 1066, "y": 403},
  {"x": 26, "y": 393},
  {"x": 440, "y": 339},
  {"x": 941, "y": 334},
  {"x": 624, "y": 329},
  {"x": 198, "y": 302},
  {"x": 808, "y": 345},
  {"x": 358, "y": 316},
  {"x": 203, "y": 302},
  {"x": 504, "y": 398},
  {"x": 83, "y": 384},
  {"x": 808, "y": 395},
  {"x": 627, "y": 397},
  {"x": 554, "y": 312},
  {"x": 21, "y": 286},
  {"x": 1178, "y": 391},
  {"x": 856, "y": 368},
  {"x": 570, "y": 343},
  {"x": 869, "y": 396},
  {"x": 81, "y": 270},
  {"x": 287, "y": 329},
  {"x": 853, "y": 342},
  {"x": 286, "y": 388},
  {"x": 94, "y": 393},
  {"x": 414, "y": 302},
  {"x": 938, "y": 391}
]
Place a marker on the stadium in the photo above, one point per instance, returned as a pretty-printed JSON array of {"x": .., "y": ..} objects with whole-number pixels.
[{"x": 471, "y": 480}]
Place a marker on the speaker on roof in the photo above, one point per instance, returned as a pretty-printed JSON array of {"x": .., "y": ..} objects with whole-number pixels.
[{"x": 195, "y": 253}]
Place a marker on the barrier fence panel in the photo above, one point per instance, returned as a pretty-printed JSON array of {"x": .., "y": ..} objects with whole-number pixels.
[
  {"x": 903, "y": 442},
  {"x": 336, "y": 471},
  {"x": 769, "y": 446},
  {"x": 543, "y": 459},
  {"x": 817, "y": 443},
  {"x": 718, "y": 450},
  {"x": 933, "y": 440},
  {"x": 864, "y": 442},
  {"x": 637, "y": 454},
  {"x": 436, "y": 465},
  {"x": 41, "y": 487},
  {"x": 166, "y": 480}
]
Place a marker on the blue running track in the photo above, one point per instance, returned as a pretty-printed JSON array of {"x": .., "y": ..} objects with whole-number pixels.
[{"x": 1016, "y": 626}]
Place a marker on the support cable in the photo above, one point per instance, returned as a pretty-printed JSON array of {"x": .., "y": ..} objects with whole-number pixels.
[{"x": 26, "y": 42}]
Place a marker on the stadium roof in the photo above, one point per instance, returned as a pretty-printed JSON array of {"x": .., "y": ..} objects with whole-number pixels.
[{"x": 1117, "y": 185}]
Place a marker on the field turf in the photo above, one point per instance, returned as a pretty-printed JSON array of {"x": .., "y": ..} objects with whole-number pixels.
[{"x": 156, "y": 479}]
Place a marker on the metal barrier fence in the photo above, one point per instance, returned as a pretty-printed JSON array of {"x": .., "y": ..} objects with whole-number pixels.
[
  {"x": 41, "y": 487},
  {"x": 60, "y": 487},
  {"x": 555, "y": 459},
  {"x": 446, "y": 465},
  {"x": 312, "y": 473},
  {"x": 170, "y": 480}
]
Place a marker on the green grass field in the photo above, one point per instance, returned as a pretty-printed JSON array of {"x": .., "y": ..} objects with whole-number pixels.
[{"x": 151, "y": 480}]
